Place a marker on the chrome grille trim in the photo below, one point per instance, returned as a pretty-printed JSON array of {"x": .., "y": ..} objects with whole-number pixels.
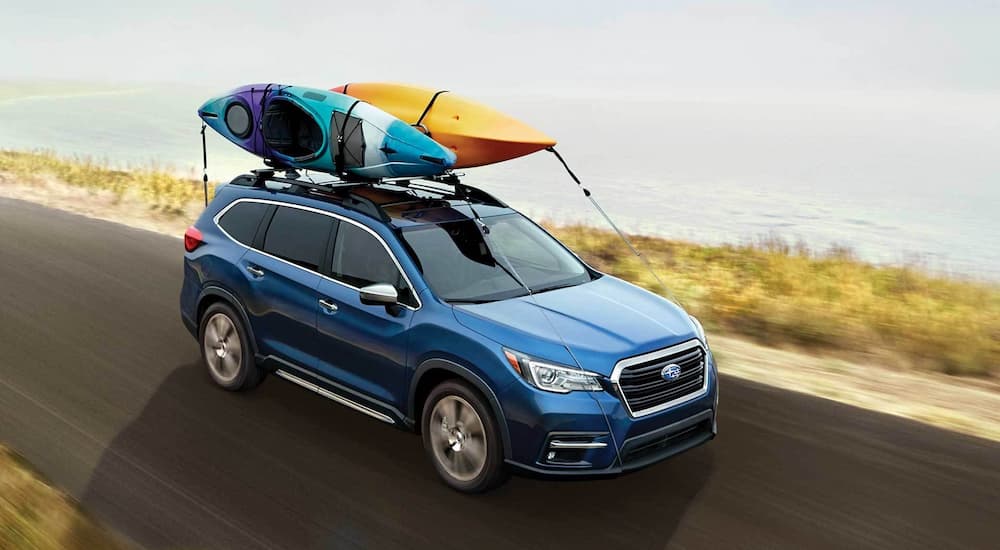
[{"x": 624, "y": 364}]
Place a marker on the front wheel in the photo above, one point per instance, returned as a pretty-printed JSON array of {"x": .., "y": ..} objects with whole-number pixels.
[{"x": 462, "y": 439}]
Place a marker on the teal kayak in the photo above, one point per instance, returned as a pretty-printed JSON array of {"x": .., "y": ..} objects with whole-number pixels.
[{"x": 311, "y": 129}]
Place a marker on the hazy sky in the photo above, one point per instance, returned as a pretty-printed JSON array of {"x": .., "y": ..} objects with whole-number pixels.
[{"x": 642, "y": 47}]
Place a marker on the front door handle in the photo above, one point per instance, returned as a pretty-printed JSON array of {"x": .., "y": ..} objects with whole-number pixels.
[
  {"x": 255, "y": 271},
  {"x": 328, "y": 305}
]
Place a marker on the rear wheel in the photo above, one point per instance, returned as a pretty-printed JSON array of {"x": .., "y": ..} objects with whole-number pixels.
[
  {"x": 462, "y": 439},
  {"x": 225, "y": 349}
]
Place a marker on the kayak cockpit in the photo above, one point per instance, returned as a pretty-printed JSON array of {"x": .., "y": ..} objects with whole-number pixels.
[{"x": 290, "y": 131}]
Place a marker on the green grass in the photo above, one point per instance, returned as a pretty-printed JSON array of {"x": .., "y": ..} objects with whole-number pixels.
[{"x": 768, "y": 291}]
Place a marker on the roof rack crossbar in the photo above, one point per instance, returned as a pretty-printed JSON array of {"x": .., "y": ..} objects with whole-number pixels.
[
  {"x": 351, "y": 200},
  {"x": 263, "y": 175},
  {"x": 421, "y": 186},
  {"x": 459, "y": 190}
]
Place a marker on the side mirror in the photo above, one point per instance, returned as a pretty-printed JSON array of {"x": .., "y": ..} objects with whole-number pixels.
[{"x": 380, "y": 294}]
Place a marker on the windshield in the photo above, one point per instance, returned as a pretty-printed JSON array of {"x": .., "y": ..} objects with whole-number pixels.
[{"x": 460, "y": 266}]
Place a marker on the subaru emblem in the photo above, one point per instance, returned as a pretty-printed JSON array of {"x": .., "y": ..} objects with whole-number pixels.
[{"x": 671, "y": 372}]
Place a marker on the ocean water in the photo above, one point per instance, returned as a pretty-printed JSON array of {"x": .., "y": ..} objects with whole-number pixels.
[{"x": 899, "y": 178}]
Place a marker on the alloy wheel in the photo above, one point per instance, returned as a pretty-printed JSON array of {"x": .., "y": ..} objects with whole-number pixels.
[
  {"x": 458, "y": 438},
  {"x": 223, "y": 349}
]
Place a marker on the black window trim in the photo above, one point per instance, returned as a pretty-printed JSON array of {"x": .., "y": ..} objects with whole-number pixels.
[
  {"x": 265, "y": 222},
  {"x": 342, "y": 219}
]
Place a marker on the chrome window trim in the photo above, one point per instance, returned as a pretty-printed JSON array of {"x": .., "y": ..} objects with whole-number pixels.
[
  {"x": 652, "y": 356},
  {"x": 338, "y": 217}
]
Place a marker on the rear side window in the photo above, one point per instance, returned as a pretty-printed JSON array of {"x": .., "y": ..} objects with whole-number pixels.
[
  {"x": 298, "y": 236},
  {"x": 359, "y": 259},
  {"x": 242, "y": 219}
]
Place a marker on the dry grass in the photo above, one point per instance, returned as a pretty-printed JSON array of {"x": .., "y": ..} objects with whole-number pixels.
[
  {"x": 779, "y": 294},
  {"x": 772, "y": 292},
  {"x": 162, "y": 191},
  {"x": 34, "y": 515}
]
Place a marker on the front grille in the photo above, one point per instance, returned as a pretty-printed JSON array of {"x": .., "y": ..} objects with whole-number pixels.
[{"x": 643, "y": 387}]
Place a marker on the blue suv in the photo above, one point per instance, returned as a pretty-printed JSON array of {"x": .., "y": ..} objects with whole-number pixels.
[{"x": 434, "y": 307}]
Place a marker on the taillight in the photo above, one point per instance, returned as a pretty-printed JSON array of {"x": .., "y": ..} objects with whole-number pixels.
[{"x": 193, "y": 239}]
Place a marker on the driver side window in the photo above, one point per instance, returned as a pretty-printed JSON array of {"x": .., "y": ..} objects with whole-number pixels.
[{"x": 359, "y": 259}]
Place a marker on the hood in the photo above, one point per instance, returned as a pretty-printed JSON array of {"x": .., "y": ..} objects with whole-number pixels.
[{"x": 602, "y": 322}]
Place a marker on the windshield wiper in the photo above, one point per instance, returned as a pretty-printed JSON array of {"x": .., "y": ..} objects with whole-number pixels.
[
  {"x": 461, "y": 302},
  {"x": 555, "y": 287},
  {"x": 483, "y": 300},
  {"x": 501, "y": 261},
  {"x": 509, "y": 272}
]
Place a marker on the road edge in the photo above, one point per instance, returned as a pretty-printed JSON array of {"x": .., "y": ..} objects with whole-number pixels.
[{"x": 966, "y": 406}]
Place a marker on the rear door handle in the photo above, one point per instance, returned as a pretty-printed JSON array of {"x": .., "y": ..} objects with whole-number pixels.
[
  {"x": 255, "y": 271},
  {"x": 328, "y": 305}
]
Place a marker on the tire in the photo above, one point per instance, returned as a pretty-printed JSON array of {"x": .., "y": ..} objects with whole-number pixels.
[
  {"x": 463, "y": 444},
  {"x": 226, "y": 350}
]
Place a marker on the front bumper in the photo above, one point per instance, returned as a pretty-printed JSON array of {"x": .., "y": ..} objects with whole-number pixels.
[{"x": 536, "y": 419}]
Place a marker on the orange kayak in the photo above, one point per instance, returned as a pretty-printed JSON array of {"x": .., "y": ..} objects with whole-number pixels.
[{"x": 476, "y": 133}]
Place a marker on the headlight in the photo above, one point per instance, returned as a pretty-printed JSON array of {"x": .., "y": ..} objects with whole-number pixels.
[
  {"x": 549, "y": 377},
  {"x": 700, "y": 330}
]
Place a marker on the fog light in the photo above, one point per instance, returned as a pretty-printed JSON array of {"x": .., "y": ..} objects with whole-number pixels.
[{"x": 572, "y": 449}]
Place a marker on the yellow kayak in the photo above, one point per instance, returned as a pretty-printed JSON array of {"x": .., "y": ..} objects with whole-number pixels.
[{"x": 476, "y": 133}]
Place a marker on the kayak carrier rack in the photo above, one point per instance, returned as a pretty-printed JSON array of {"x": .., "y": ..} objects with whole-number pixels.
[
  {"x": 330, "y": 189},
  {"x": 459, "y": 190},
  {"x": 447, "y": 186}
]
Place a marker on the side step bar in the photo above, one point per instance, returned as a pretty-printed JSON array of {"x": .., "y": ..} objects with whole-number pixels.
[{"x": 334, "y": 397}]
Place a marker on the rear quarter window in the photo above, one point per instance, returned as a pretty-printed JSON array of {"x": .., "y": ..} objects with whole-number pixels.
[{"x": 242, "y": 219}]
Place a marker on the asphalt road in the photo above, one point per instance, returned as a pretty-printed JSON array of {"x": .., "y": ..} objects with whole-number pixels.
[{"x": 101, "y": 388}]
